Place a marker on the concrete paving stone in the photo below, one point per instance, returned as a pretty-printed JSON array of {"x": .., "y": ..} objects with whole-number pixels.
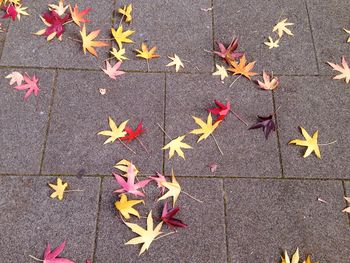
[
  {"x": 246, "y": 152},
  {"x": 80, "y": 112},
  {"x": 23, "y": 123},
  {"x": 30, "y": 218},
  {"x": 329, "y": 36},
  {"x": 315, "y": 103},
  {"x": 176, "y": 27},
  {"x": 32, "y": 50},
  {"x": 253, "y": 22},
  {"x": 266, "y": 217},
  {"x": 202, "y": 241}
]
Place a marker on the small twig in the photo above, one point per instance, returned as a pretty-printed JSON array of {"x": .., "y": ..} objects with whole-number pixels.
[
  {"x": 277, "y": 110},
  {"x": 235, "y": 80},
  {"x": 37, "y": 259},
  {"x": 70, "y": 21},
  {"x": 148, "y": 69},
  {"x": 164, "y": 131},
  {"x": 127, "y": 147},
  {"x": 200, "y": 201},
  {"x": 143, "y": 146},
  {"x": 280, "y": 16},
  {"x": 208, "y": 51},
  {"x": 324, "y": 144},
  {"x": 76, "y": 40},
  {"x": 121, "y": 20},
  {"x": 217, "y": 145},
  {"x": 167, "y": 234},
  {"x": 108, "y": 59},
  {"x": 75, "y": 190},
  {"x": 239, "y": 117}
]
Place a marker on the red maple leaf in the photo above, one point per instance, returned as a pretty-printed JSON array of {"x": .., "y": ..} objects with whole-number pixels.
[
  {"x": 10, "y": 11},
  {"x": 31, "y": 85},
  {"x": 168, "y": 217},
  {"x": 52, "y": 256},
  {"x": 229, "y": 52},
  {"x": 222, "y": 110},
  {"x": 55, "y": 23},
  {"x": 131, "y": 135}
]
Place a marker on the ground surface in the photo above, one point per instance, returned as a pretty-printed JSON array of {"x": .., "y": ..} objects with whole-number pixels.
[{"x": 263, "y": 197}]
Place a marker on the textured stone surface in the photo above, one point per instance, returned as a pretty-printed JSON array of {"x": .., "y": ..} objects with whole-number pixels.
[
  {"x": 329, "y": 36},
  {"x": 31, "y": 50},
  {"x": 80, "y": 112},
  {"x": 174, "y": 27},
  {"x": 23, "y": 123},
  {"x": 265, "y": 217},
  {"x": 246, "y": 152},
  {"x": 316, "y": 104},
  {"x": 30, "y": 218},
  {"x": 202, "y": 241},
  {"x": 253, "y": 22}
]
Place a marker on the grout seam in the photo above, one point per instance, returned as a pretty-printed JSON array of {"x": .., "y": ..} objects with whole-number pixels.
[
  {"x": 97, "y": 221},
  {"x": 164, "y": 119},
  {"x": 213, "y": 33},
  {"x": 224, "y": 195},
  {"x": 278, "y": 134}
]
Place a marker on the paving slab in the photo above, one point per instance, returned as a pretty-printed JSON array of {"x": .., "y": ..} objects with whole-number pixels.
[
  {"x": 174, "y": 27},
  {"x": 265, "y": 217},
  {"x": 253, "y": 22},
  {"x": 23, "y": 123},
  {"x": 329, "y": 36},
  {"x": 315, "y": 103},
  {"x": 246, "y": 152},
  {"x": 80, "y": 112},
  {"x": 202, "y": 241},
  {"x": 30, "y": 218},
  {"x": 32, "y": 50}
]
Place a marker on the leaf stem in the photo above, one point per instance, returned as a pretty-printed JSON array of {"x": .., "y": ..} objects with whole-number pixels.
[
  {"x": 76, "y": 40},
  {"x": 37, "y": 259},
  {"x": 164, "y": 131},
  {"x": 148, "y": 69},
  {"x": 192, "y": 197},
  {"x": 239, "y": 117},
  {"x": 324, "y": 144},
  {"x": 74, "y": 190},
  {"x": 70, "y": 21},
  {"x": 127, "y": 147},
  {"x": 143, "y": 146},
  {"x": 217, "y": 145},
  {"x": 235, "y": 80},
  {"x": 167, "y": 234}
]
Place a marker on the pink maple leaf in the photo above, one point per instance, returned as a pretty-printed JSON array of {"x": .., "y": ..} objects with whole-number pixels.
[
  {"x": 228, "y": 53},
  {"x": 129, "y": 186},
  {"x": 160, "y": 180},
  {"x": 52, "y": 256},
  {"x": 10, "y": 11},
  {"x": 222, "y": 110},
  {"x": 31, "y": 85},
  {"x": 113, "y": 72}
]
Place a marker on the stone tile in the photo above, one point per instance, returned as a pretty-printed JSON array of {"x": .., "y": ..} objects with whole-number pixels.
[
  {"x": 266, "y": 217},
  {"x": 23, "y": 123},
  {"x": 34, "y": 50},
  {"x": 30, "y": 218},
  {"x": 315, "y": 103},
  {"x": 329, "y": 36},
  {"x": 202, "y": 241},
  {"x": 174, "y": 27},
  {"x": 253, "y": 22},
  {"x": 80, "y": 112},
  {"x": 246, "y": 152}
]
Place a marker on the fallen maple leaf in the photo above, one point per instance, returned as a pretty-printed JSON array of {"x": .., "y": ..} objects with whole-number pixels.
[
  {"x": 168, "y": 217},
  {"x": 213, "y": 167},
  {"x": 271, "y": 43},
  {"x": 221, "y": 71},
  {"x": 119, "y": 54},
  {"x": 310, "y": 143},
  {"x": 145, "y": 53},
  {"x": 52, "y": 256},
  {"x": 31, "y": 85},
  {"x": 115, "y": 132},
  {"x": 59, "y": 189},
  {"x": 122, "y": 37},
  {"x": 21, "y": 11},
  {"x": 176, "y": 61},
  {"x": 308, "y": 260},
  {"x": 344, "y": 70},
  {"x": 123, "y": 166},
  {"x": 113, "y": 72},
  {"x": 205, "y": 128},
  {"x": 15, "y": 77},
  {"x": 88, "y": 43},
  {"x": 173, "y": 187},
  {"x": 129, "y": 186},
  {"x": 145, "y": 236},
  {"x": 268, "y": 84},
  {"x": 266, "y": 123},
  {"x": 347, "y": 210},
  {"x": 242, "y": 68},
  {"x": 347, "y": 31},
  {"x": 125, "y": 206},
  {"x": 160, "y": 179},
  {"x": 222, "y": 110},
  {"x": 175, "y": 145},
  {"x": 55, "y": 25},
  {"x": 60, "y": 9},
  {"x": 295, "y": 257},
  {"x": 79, "y": 16},
  {"x": 281, "y": 28},
  {"x": 126, "y": 11},
  {"x": 131, "y": 135},
  {"x": 228, "y": 53},
  {"x": 10, "y": 11}
]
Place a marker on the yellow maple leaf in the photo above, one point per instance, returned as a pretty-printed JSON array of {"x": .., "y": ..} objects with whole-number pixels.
[
  {"x": 308, "y": 260},
  {"x": 271, "y": 43},
  {"x": 115, "y": 132},
  {"x": 145, "y": 53},
  {"x": 347, "y": 210},
  {"x": 126, "y": 11},
  {"x": 145, "y": 236},
  {"x": 347, "y": 31},
  {"x": 175, "y": 61},
  {"x": 122, "y": 37},
  {"x": 205, "y": 128},
  {"x": 344, "y": 70},
  {"x": 281, "y": 28},
  {"x": 175, "y": 146},
  {"x": 125, "y": 206},
  {"x": 21, "y": 11},
  {"x": 310, "y": 143},
  {"x": 295, "y": 257},
  {"x": 59, "y": 189},
  {"x": 88, "y": 43},
  {"x": 123, "y": 166},
  {"x": 242, "y": 68},
  {"x": 60, "y": 9},
  {"x": 221, "y": 71},
  {"x": 119, "y": 54},
  {"x": 173, "y": 187}
]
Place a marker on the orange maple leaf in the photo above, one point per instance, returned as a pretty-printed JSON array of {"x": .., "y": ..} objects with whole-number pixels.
[
  {"x": 89, "y": 44},
  {"x": 242, "y": 68},
  {"x": 79, "y": 16},
  {"x": 145, "y": 53}
]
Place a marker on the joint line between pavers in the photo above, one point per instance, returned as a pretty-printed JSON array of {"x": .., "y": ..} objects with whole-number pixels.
[
  {"x": 3, "y": 43},
  {"x": 54, "y": 84},
  {"x": 345, "y": 194},
  {"x": 97, "y": 220},
  {"x": 213, "y": 31},
  {"x": 225, "y": 220},
  {"x": 164, "y": 119}
]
